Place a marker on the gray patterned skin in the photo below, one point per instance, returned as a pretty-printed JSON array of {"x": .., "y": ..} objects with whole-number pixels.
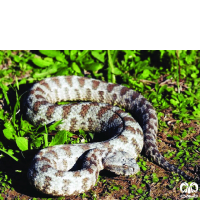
[{"x": 64, "y": 170}]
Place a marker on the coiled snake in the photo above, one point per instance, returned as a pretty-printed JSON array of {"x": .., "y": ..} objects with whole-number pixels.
[{"x": 64, "y": 170}]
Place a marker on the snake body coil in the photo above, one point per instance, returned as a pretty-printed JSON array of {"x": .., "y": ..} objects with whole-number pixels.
[{"x": 64, "y": 170}]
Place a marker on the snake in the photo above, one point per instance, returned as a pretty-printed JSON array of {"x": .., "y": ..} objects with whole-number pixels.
[{"x": 126, "y": 119}]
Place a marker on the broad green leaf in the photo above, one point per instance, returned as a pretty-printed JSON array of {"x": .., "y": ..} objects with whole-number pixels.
[
  {"x": 66, "y": 52},
  {"x": 179, "y": 154},
  {"x": 174, "y": 102},
  {"x": 50, "y": 53},
  {"x": 176, "y": 137},
  {"x": 17, "y": 58},
  {"x": 116, "y": 71},
  {"x": 73, "y": 54},
  {"x": 54, "y": 125},
  {"x": 45, "y": 72},
  {"x": 184, "y": 134},
  {"x": 42, "y": 63},
  {"x": 93, "y": 66},
  {"x": 59, "y": 138},
  {"x": 76, "y": 67},
  {"x": 61, "y": 58},
  {"x": 196, "y": 143},
  {"x": 99, "y": 56},
  {"x": 146, "y": 73},
  {"x": 140, "y": 191},
  {"x": 8, "y": 134},
  {"x": 22, "y": 143},
  {"x": 9, "y": 131},
  {"x": 162, "y": 89}
]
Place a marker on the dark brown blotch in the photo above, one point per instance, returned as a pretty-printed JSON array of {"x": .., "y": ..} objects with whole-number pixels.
[
  {"x": 103, "y": 110},
  {"x": 73, "y": 123},
  {"x": 88, "y": 94},
  {"x": 101, "y": 96},
  {"x": 77, "y": 174},
  {"x": 85, "y": 183},
  {"x": 81, "y": 81},
  {"x": 130, "y": 128},
  {"x": 114, "y": 97},
  {"x": 95, "y": 84},
  {"x": 56, "y": 81},
  {"x": 123, "y": 139},
  {"x": 45, "y": 159},
  {"x": 134, "y": 96},
  {"x": 124, "y": 90},
  {"x": 134, "y": 142},
  {"x": 130, "y": 119},
  {"x": 67, "y": 150},
  {"x": 78, "y": 95},
  {"x": 47, "y": 184},
  {"x": 84, "y": 110},
  {"x": 39, "y": 121},
  {"x": 40, "y": 90},
  {"x": 90, "y": 170},
  {"x": 54, "y": 153},
  {"x": 112, "y": 119},
  {"x": 139, "y": 131},
  {"x": 66, "y": 111},
  {"x": 69, "y": 80},
  {"x": 45, "y": 168},
  {"x": 37, "y": 104},
  {"x": 111, "y": 86},
  {"x": 50, "y": 111},
  {"x": 38, "y": 96},
  {"x": 45, "y": 85},
  {"x": 59, "y": 173},
  {"x": 107, "y": 145}
]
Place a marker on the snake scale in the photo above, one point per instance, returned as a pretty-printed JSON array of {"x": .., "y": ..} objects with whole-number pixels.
[{"x": 64, "y": 170}]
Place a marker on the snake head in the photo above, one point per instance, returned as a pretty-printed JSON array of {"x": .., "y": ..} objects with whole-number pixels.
[{"x": 121, "y": 163}]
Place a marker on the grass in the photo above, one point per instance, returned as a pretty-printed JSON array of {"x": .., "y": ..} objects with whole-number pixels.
[{"x": 168, "y": 79}]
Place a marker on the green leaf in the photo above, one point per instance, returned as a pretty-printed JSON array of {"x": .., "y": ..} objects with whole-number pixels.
[
  {"x": 140, "y": 191},
  {"x": 176, "y": 137},
  {"x": 93, "y": 67},
  {"x": 22, "y": 143},
  {"x": 54, "y": 125},
  {"x": 184, "y": 134},
  {"x": 100, "y": 57},
  {"x": 5, "y": 89},
  {"x": 8, "y": 134},
  {"x": 1, "y": 114},
  {"x": 76, "y": 67},
  {"x": 73, "y": 54},
  {"x": 9, "y": 131},
  {"x": 61, "y": 58},
  {"x": 196, "y": 143},
  {"x": 66, "y": 52},
  {"x": 59, "y": 138},
  {"x": 146, "y": 73},
  {"x": 174, "y": 102},
  {"x": 17, "y": 58},
  {"x": 50, "y": 53},
  {"x": 45, "y": 72},
  {"x": 116, "y": 71},
  {"x": 179, "y": 154},
  {"x": 162, "y": 89},
  {"x": 42, "y": 63}
]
